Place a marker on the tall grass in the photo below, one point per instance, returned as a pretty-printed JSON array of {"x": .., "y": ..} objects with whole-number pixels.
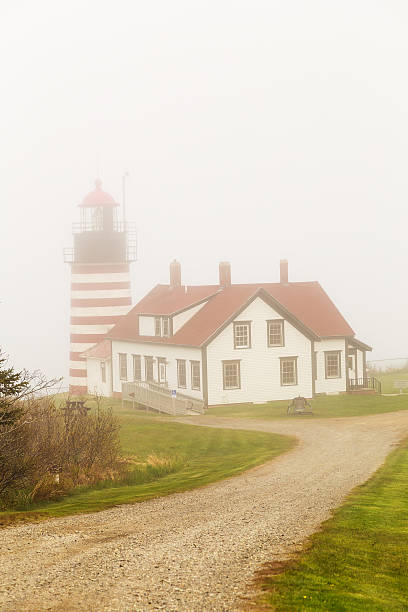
[
  {"x": 141, "y": 472},
  {"x": 161, "y": 457}
]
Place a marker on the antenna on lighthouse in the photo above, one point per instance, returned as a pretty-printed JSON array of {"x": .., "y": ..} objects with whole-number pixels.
[{"x": 124, "y": 177}]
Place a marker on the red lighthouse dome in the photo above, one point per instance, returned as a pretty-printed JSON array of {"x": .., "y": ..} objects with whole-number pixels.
[{"x": 98, "y": 197}]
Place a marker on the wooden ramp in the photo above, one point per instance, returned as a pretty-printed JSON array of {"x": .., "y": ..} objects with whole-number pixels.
[{"x": 160, "y": 398}]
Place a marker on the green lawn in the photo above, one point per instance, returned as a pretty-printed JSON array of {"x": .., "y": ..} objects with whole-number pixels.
[
  {"x": 326, "y": 406},
  {"x": 388, "y": 378},
  {"x": 193, "y": 456},
  {"x": 359, "y": 560}
]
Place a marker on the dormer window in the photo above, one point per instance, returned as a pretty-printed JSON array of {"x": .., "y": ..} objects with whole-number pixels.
[
  {"x": 162, "y": 327},
  {"x": 165, "y": 327}
]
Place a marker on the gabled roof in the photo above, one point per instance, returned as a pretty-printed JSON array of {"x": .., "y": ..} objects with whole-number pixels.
[
  {"x": 102, "y": 350},
  {"x": 305, "y": 304},
  {"x": 166, "y": 300}
]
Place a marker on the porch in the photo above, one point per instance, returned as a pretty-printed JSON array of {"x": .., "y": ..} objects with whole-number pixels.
[{"x": 367, "y": 384}]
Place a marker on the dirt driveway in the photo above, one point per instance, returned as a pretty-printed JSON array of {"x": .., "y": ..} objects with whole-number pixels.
[{"x": 198, "y": 550}]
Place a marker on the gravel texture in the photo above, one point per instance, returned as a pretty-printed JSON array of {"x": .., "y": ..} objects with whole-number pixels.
[{"x": 197, "y": 550}]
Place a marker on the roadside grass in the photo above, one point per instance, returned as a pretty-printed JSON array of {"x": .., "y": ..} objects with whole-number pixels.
[
  {"x": 169, "y": 457},
  {"x": 359, "y": 560},
  {"x": 388, "y": 378},
  {"x": 325, "y": 406}
]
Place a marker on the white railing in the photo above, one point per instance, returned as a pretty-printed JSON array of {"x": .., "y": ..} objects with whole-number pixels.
[{"x": 160, "y": 398}]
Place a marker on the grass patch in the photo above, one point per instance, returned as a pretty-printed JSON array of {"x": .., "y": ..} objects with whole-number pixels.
[
  {"x": 388, "y": 378},
  {"x": 325, "y": 406},
  {"x": 359, "y": 561},
  {"x": 167, "y": 457}
]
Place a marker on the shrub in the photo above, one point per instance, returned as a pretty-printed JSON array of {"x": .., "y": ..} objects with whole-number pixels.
[{"x": 49, "y": 451}]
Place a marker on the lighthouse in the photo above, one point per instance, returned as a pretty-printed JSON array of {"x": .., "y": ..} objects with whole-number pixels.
[{"x": 104, "y": 247}]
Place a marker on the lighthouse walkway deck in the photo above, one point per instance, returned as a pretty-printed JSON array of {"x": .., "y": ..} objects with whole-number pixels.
[{"x": 158, "y": 397}]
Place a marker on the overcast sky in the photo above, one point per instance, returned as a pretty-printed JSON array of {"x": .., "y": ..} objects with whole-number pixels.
[{"x": 252, "y": 131}]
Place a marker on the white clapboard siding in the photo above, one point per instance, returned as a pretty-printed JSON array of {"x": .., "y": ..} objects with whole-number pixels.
[
  {"x": 330, "y": 385},
  {"x": 170, "y": 353},
  {"x": 94, "y": 375},
  {"x": 260, "y": 364}
]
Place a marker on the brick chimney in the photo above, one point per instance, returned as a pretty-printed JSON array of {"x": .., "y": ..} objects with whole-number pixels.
[
  {"x": 225, "y": 274},
  {"x": 175, "y": 274},
  {"x": 284, "y": 274}
]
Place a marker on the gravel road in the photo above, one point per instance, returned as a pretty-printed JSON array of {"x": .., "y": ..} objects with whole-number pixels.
[{"x": 196, "y": 551}]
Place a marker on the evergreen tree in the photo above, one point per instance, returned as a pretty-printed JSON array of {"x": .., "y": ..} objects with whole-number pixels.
[{"x": 12, "y": 386}]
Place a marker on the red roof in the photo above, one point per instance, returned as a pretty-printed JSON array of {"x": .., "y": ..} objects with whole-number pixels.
[
  {"x": 100, "y": 351},
  {"x": 306, "y": 303},
  {"x": 166, "y": 300},
  {"x": 97, "y": 197}
]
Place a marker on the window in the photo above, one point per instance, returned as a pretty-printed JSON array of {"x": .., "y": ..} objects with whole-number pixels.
[
  {"x": 149, "y": 369},
  {"x": 231, "y": 374},
  {"x": 195, "y": 375},
  {"x": 137, "y": 367},
  {"x": 166, "y": 327},
  {"x": 288, "y": 370},
  {"x": 123, "y": 366},
  {"x": 181, "y": 374},
  {"x": 97, "y": 219},
  {"x": 332, "y": 361},
  {"x": 103, "y": 371},
  {"x": 242, "y": 334},
  {"x": 275, "y": 333},
  {"x": 161, "y": 370},
  {"x": 162, "y": 327}
]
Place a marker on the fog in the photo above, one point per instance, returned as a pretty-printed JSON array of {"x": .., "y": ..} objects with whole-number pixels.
[{"x": 251, "y": 131}]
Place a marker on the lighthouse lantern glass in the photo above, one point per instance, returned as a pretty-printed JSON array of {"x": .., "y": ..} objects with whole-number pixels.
[{"x": 92, "y": 219}]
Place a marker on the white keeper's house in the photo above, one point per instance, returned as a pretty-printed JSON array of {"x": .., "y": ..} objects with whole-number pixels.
[{"x": 231, "y": 343}]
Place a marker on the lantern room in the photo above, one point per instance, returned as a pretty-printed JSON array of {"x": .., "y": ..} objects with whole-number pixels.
[
  {"x": 100, "y": 236},
  {"x": 98, "y": 211}
]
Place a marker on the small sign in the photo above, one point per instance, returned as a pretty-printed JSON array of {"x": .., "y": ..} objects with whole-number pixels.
[{"x": 173, "y": 393}]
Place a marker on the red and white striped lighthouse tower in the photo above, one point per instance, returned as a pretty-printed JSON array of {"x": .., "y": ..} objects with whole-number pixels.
[{"x": 100, "y": 260}]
